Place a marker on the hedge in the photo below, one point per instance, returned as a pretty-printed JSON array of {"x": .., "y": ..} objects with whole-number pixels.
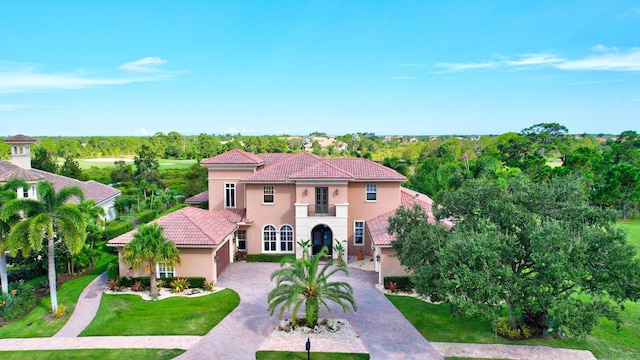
[
  {"x": 112, "y": 270},
  {"x": 194, "y": 282},
  {"x": 146, "y": 216},
  {"x": 116, "y": 228},
  {"x": 404, "y": 283},
  {"x": 267, "y": 257}
]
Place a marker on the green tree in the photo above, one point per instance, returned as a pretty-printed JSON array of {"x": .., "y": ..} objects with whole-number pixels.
[
  {"x": 530, "y": 246},
  {"x": 7, "y": 193},
  {"x": 147, "y": 166},
  {"x": 305, "y": 282},
  {"x": 44, "y": 160},
  {"x": 148, "y": 248},
  {"x": 48, "y": 218},
  {"x": 71, "y": 169},
  {"x": 619, "y": 187},
  {"x": 121, "y": 172}
]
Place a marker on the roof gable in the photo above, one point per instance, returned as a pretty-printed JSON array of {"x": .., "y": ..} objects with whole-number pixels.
[
  {"x": 321, "y": 170},
  {"x": 235, "y": 156}
]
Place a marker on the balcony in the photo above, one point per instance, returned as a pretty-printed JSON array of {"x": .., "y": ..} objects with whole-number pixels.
[{"x": 321, "y": 210}]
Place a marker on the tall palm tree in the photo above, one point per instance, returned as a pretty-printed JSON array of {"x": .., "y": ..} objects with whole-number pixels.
[
  {"x": 49, "y": 217},
  {"x": 304, "y": 282},
  {"x": 148, "y": 248},
  {"x": 7, "y": 193}
]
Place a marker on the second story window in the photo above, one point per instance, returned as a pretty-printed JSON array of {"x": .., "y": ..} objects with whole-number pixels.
[
  {"x": 372, "y": 192},
  {"x": 268, "y": 195},
  {"x": 229, "y": 195}
]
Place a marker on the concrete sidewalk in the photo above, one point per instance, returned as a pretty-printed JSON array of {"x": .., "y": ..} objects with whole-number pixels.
[
  {"x": 100, "y": 342},
  {"x": 86, "y": 308}
]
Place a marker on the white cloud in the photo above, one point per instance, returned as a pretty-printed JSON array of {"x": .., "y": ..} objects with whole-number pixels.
[
  {"x": 142, "y": 132},
  {"x": 144, "y": 65},
  {"x": 607, "y": 59},
  {"x": 403, "y": 77},
  {"x": 11, "y": 107}
]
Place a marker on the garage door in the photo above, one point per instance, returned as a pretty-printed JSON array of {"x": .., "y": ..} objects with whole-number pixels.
[{"x": 223, "y": 258}]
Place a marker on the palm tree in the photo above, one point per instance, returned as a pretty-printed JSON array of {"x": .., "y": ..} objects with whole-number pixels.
[
  {"x": 95, "y": 216},
  {"x": 48, "y": 218},
  {"x": 7, "y": 193},
  {"x": 148, "y": 248},
  {"x": 303, "y": 281}
]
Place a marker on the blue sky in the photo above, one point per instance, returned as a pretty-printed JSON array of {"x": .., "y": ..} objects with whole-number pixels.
[{"x": 274, "y": 67}]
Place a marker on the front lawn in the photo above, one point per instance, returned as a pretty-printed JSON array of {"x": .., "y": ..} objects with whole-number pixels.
[
  {"x": 279, "y": 355},
  {"x": 435, "y": 324},
  {"x": 121, "y": 315},
  {"x": 35, "y": 324},
  {"x": 633, "y": 232},
  {"x": 103, "y": 354}
]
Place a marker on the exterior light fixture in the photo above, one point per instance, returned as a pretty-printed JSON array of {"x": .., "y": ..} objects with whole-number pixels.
[
  {"x": 215, "y": 257},
  {"x": 336, "y": 192},
  {"x": 378, "y": 258},
  {"x": 308, "y": 348},
  {"x": 304, "y": 192}
]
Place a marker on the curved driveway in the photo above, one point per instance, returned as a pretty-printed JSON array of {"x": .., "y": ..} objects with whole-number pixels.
[{"x": 382, "y": 328}]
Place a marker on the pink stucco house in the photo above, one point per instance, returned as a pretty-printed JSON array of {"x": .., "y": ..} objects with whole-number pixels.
[{"x": 266, "y": 203}]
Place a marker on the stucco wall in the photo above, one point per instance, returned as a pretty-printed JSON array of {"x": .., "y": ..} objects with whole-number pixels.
[
  {"x": 217, "y": 179},
  {"x": 194, "y": 262},
  {"x": 390, "y": 265}
]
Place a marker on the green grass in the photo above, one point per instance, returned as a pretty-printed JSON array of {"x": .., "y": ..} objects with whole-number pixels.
[
  {"x": 164, "y": 164},
  {"x": 35, "y": 324},
  {"x": 103, "y": 354},
  {"x": 633, "y": 232},
  {"x": 121, "y": 315},
  {"x": 435, "y": 324},
  {"x": 279, "y": 355}
]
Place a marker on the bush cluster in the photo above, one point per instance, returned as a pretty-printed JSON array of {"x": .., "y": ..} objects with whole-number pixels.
[
  {"x": 112, "y": 270},
  {"x": 20, "y": 299},
  {"x": 195, "y": 282},
  {"x": 267, "y": 257},
  {"x": 404, "y": 283},
  {"x": 146, "y": 216},
  {"x": 502, "y": 328},
  {"x": 117, "y": 228}
]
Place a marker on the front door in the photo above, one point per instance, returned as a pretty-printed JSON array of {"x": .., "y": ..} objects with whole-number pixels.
[{"x": 321, "y": 235}]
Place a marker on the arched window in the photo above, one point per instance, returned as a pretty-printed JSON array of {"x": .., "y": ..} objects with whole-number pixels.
[
  {"x": 286, "y": 238},
  {"x": 269, "y": 239}
]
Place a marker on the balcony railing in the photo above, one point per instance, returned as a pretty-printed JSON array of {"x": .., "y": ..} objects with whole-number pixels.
[{"x": 322, "y": 210}]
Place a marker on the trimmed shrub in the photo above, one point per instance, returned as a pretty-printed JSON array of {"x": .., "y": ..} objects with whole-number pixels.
[
  {"x": 195, "y": 282},
  {"x": 112, "y": 270},
  {"x": 20, "y": 299},
  {"x": 116, "y": 228},
  {"x": 146, "y": 216},
  {"x": 267, "y": 257},
  {"x": 402, "y": 283}
]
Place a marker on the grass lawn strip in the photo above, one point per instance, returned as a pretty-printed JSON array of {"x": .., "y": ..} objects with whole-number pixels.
[
  {"x": 279, "y": 355},
  {"x": 35, "y": 324},
  {"x": 123, "y": 315},
  {"x": 102, "y": 354},
  {"x": 633, "y": 233}
]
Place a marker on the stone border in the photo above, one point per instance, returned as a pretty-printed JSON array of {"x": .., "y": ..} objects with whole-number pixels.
[{"x": 163, "y": 293}]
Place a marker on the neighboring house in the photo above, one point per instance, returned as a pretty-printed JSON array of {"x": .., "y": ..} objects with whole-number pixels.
[
  {"x": 275, "y": 200},
  {"x": 20, "y": 167}
]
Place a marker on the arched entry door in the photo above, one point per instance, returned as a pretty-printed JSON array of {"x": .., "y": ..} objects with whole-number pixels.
[{"x": 322, "y": 235}]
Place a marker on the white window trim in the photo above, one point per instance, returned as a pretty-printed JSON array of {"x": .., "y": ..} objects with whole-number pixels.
[
  {"x": 354, "y": 232},
  {"x": 293, "y": 242},
  {"x": 173, "y": 270},
  {"x": 235, "y": 196},
  {"x": 273, "y": 194},
  {"x": 367, "y": 192},
  {"x": 275, "y": 229},
  {"x": 238, "y": 240}
]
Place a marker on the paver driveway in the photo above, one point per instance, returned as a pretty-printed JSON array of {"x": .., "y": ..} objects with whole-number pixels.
[{"x": 382, "y": 329}]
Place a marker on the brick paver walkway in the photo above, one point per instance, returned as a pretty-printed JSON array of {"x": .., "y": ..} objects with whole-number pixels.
[{"x": 500, "y": 351}]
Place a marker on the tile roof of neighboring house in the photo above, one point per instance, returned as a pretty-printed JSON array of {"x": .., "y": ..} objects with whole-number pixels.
[
  {"x": 377, "y": 227},
  {"x": 234, "y": 156},
  {"x": 198, "y": 198},
  {"x": 10, "y": 171},
  {"x": 189, "y": 226},
  {"x": 92, "y": 189},
  {"x": 20, "y": 139}
]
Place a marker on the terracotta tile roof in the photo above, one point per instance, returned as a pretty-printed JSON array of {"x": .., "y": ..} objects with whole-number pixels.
[
  {"x": 234, "y": 156},
  {"x": 280, "y": 171},
  {"x": 363, "y": 169},
  {"x": 20, "y": 139},
  {"x": 198, "y": 198},
  {"x": 92, "y": 189},
  {"x": 236, "y": 215},
  {"x": 274, "y": 158},
  {"x": 189, "y": 226},
  {"x": 321, "y": 170},
  {"x": 377, "y": 227},
  {"x": 10, "y": 171}
]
